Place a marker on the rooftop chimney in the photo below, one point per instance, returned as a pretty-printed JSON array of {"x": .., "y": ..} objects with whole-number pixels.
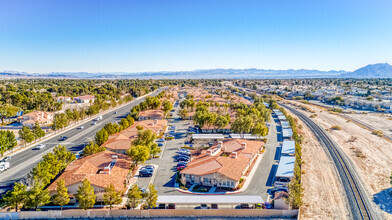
[
  {"x": 243, "y": 145},
  {"x": 106, "y": 170},
  {"x": 114, "y": 158},
  {"x": 233, "y": 155},
  {"x": 220, "y": 144}
]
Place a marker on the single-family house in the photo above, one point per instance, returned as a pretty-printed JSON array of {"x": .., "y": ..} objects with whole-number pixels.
[{"x": 101, "y": 169}]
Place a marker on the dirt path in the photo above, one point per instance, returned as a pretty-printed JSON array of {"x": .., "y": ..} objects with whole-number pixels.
[
  {"x": 371, "y": 155},
  {"x": 322, "y": 189}
]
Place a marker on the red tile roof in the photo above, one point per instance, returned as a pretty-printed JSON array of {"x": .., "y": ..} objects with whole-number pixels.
[
  {"x": 228, "y": 166},
  {"x": 89, "y": 168}
]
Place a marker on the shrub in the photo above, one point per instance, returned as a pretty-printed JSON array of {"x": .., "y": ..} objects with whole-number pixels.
[
  {"x": 169, "y": 138},
  {"x": 336, "y": 127},
  {"x": 378, "y": 133}
]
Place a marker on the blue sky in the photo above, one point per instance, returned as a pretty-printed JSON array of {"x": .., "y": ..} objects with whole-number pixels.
[{"x": 146, "y": 35}]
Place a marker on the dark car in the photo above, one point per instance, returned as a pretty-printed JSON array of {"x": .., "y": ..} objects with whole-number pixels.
[
  {"x": 63, "y": 138},
  {"x": 214, "y": 206},
  {"x": 279, "y": 189},
  {"x": 244, "y": 206},
  {"x": 146, "y": 172},
  {"x": 171, "y": 206},
  {"x": 183, "y": 159},
  {"x": 161, "y": 206},
  {"x": 182, "y": 164}
]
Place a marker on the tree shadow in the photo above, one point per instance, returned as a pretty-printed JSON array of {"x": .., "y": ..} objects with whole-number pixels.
[{"x": 384, "y": 200}]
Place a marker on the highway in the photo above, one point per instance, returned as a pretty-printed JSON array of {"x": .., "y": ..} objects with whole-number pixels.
[
  {"x": 360, "y": 205},
  {"x": 23, "y": 161}
]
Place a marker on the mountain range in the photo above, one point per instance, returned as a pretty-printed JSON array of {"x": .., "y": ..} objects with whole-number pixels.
[{"x": 379, "y": 70}]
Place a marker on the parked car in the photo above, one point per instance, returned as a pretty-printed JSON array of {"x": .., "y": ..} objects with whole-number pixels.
[
  {"x": 160, "y": 145},
  {"x": 203, "y": 206},
  {"x": 171, "y": 206},
  {"x": 182, "y": 164},
  {"x": 183, "y": 159},
  {"x": 214, "y": 206},
  {"x": 40, "y": 146},
  {"x": 63, "y": 138},
  {"x": 162, "y": 206},
  {"x": 173, "y": 110},
  {"x": 244, "y": 206},
  {"x": 151, "y": 167},
  {"x": 146, "y": 172},
  {"x": 160, "y": 140},
  {"x": 143, "y": 190},
  {"x": 267, "y": 205},
  {"x": 279, "y": 189}
]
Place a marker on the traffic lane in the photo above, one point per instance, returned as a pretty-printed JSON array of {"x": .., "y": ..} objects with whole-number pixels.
[
  {"x": 88, "y": 129},
  {"x": 30, "y": 158}
]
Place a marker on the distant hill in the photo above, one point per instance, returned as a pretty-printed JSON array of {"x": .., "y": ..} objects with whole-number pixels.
[
  {"x": 378, "y": 70},
  {"x": 381, "y": 70}
]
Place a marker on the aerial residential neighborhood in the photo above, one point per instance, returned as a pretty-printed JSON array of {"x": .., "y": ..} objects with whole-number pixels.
[{"x": 196, "y": 109}]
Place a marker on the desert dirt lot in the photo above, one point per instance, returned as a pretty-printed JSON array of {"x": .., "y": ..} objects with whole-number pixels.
[
  {"x": 371, "y": 155},
  {"x": 377, "y": 120},
  {"x": 320, "y": 202}
]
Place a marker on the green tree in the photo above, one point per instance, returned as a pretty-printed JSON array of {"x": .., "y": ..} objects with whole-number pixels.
[
  {"x": 124, "y": 123},
  {"x": 134, "y": 196},
  {"x": 85, "y": 195},
  {"x": 26, "y": 135},
  {"x": 7, "y": 110},
  {"x": 167, "y": 106},
  {"x": 242, "y": 125},
  {"x": 152, "y": 196},
  {"x": 101, "y": 137},
  {"x": 138, "y": 154},
  {"x": 37, "y": 196},
  {"x": 7, "y": 141},
  {"x": 63, "y": 155},
  {"x": 221, "y": 121},
  {"x": 111, "y": 196},
  {"x": 92, "y": 148},
  {"x": 145, "y": 138},
  {"x": 183, "y": 113},
  {"x": 16, "y": 196},
  {"x": 37, "y": 131},
  {"x": 260, "y": 129},
  {"x": 61, "y": 198}
]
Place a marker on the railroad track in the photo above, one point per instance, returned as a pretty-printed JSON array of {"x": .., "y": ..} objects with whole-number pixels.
[{"x": 360, "y": 205}]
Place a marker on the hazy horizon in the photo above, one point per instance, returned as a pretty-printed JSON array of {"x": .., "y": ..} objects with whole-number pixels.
[{"x": 153, "y": 36}]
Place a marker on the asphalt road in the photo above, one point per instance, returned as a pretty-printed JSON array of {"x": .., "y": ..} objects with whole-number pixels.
[{"x": 23, "y": 161}]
